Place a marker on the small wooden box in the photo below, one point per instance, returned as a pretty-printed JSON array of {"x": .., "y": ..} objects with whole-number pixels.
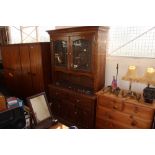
[{"x": 2, "y": 103}]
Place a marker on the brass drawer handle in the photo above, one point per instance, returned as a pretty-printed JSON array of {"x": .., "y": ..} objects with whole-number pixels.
[
  {"x": 77, "y": 100},
  {"x": 110, "y": 117},
  {"x": 134, "y": 123},
  {"x": 131, "y": 116},
  {"x": 136, "y": 109},
  {"x": 56, "y": 93},
  {"x": 111, "y": 125},
  {"x": 107, "y": 115},
  {"x": 11, "y": 75},
  {"x": 115, "y": 107}
]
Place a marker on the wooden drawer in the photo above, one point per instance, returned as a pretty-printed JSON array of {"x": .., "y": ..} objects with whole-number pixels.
[
  {"x": 107, "y": 124},
  {"x": 129, "y": 121},
  {"x": 78, "y": 99},
  {"x": 110, "y": 102},
  {"x": 140, "y": 111},
  {"x": 86, "y": 103},
  {"x": 57, "y": 93}
]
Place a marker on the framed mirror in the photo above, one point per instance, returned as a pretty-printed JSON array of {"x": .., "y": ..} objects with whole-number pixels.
[{"x": 39, "y": 107}]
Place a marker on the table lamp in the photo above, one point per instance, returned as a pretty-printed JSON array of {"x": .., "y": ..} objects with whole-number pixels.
[
  {"x": 130, "y": 76},
  {"x": 149, "y": 79}
]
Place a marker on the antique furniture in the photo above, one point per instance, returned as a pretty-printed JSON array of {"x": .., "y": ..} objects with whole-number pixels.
[
  {"x": 78, "y": 71},
  {"x": 117, "y": 112},
  {"x": 26, "y": 68},
  {"x": 41, "y": 111}
]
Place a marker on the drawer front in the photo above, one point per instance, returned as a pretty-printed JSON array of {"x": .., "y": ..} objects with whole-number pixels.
[
  {"x": 58, "y": 94},
  {"x": 107, "y": 124},
  {"x": 127, "y": 120},
  {"x": 86, "y": 103},
  {"x": 110, "y": 103},
  {"x": 83, "y": 101},
  {"x": 145, "y": 113}
]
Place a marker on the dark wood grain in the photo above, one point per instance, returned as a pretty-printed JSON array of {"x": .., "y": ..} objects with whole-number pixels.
[
  {"x": 30, "y": 65},
  {"x": 74, "y": 81}
]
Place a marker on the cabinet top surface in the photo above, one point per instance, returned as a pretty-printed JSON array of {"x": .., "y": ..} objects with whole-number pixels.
[
  {"x": 126, "y": 99},
  {"x": 78, "y": 29},
  {"x": 26, "y": 43}
]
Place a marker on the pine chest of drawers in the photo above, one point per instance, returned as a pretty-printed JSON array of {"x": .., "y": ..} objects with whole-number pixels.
[{"x": 115, "y": 112}]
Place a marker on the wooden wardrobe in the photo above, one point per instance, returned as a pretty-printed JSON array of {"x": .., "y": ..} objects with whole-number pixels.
[{"x": 26, "y": 68}]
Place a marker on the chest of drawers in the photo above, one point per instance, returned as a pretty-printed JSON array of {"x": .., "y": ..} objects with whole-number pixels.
[
  {"x": 73, "y": 109},
  {"x": 115, "y": 112}
]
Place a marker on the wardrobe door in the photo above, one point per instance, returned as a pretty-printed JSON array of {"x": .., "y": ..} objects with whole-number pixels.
[
  {"x": 12, "y": 68},
  {"x": 36, "y": 68},
  {"x": 11, "y": 57},
  {"x": 26, "y": 71}
]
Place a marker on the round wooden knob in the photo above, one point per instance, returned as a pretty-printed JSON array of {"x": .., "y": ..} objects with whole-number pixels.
[{"x": 133, "y": 123}]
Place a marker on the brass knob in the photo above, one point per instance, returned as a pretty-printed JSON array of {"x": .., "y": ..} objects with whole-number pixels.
[
  {"x": 77, "y": 101},
  {"x": 136, "y": 109},
  {"x": 10, "y": 74},
  {"x": 131, "y": 116},
  {"x": 115, "y": 107},
  {"x": 133, "y": 123}
]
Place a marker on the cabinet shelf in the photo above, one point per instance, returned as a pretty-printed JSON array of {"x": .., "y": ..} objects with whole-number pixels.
[{"x": 74, "y": 72}]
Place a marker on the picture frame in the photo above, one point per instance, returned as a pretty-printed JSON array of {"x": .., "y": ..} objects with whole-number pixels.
[{"x": 39, "y": 107}]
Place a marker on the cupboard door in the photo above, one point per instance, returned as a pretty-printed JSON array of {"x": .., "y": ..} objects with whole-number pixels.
[
  {"x": 60, "y": 52},
  {"x": 13, "y": 81},
  {"x": 56, "y": 107},
  {"x": 68, "y": 112},
  {"x": 36, "y": 68},
  {"x": 12, "y": 68},
  {"x": 82, "y": 53},
  {"x": 26, "y": 71},
  {"x": 11, "y": 57},
  {"x": 83, "y": 117}
]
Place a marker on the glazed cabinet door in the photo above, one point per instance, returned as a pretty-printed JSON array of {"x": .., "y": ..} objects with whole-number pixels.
[
  {"x": 60, "y": 52},
  {"x": 82, "y": 53}
]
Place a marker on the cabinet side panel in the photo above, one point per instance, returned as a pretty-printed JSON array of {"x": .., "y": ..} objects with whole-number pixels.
[
  {"x": 46, "y": 61},
  {"x": 100, "y": 60}
]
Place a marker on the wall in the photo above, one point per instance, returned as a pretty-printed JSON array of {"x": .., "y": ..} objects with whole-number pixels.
[{"x": 124, "y": 62}]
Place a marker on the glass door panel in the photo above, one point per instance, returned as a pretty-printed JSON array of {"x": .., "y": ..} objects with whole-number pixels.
[
  {"x": 81, "y": 54},
  {"x": 60, "y": 53}
]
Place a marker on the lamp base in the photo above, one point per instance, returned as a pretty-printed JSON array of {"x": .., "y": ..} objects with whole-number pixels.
[
  {"x": 131, "y": 94},
  {"x": 149, "y": 94}
]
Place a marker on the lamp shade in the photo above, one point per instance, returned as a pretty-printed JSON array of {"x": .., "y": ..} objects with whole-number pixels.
[
  {"x": 149, "y": 76},
  {"x": 131, "y": 74}
]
